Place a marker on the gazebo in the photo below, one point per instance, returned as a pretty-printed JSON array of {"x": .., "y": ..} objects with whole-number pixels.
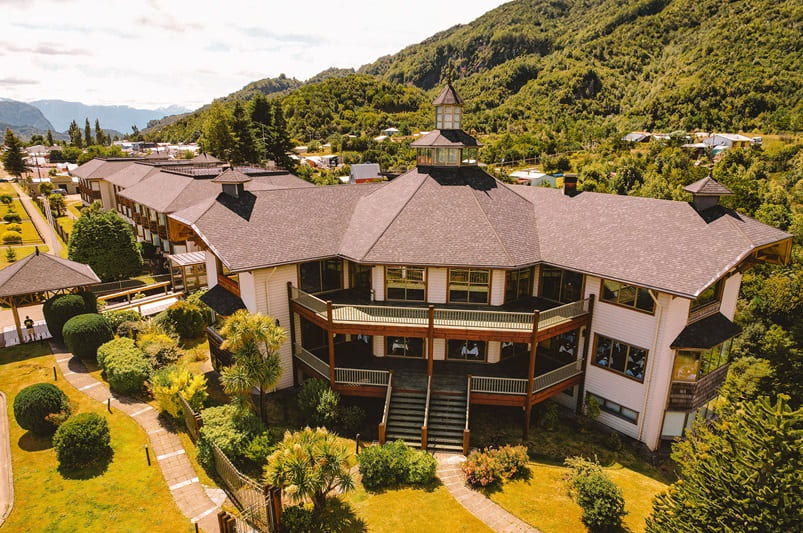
[{"x": 37, "y": 277}]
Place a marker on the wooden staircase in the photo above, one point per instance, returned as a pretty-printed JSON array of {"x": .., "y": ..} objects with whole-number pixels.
[{"x": 406, "y": 416}]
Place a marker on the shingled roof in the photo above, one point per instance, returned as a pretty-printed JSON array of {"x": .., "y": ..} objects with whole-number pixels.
[
  {"x": 44, "y": 272},
  {"x": 231, "y": 176},
  {"x": 708, "y": 186},
  {"x": 448, "y": 96},
  {"x": 445, "y": 138}
]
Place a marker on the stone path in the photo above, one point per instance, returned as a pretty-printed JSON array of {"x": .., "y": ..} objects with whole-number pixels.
[
  {"x": 477, "y": 504},
  {"x": 6, "y": 476},
  {"x": 165, "y": 446}
]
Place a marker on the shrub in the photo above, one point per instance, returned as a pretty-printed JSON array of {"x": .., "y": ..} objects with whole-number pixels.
[
  {"x": 195, "y": 299},
  {"x": 6, "y": 199},
  {"x": 512, "y": 460},
  {"x": 14, "y": 227},
  {"x": 580, "y": 467},
  {"x": 11, "y": 237},
  {"x": 127, "y": 367},
  {"x": 230, "y": 428},
  {"x": 549, "y": 417},
  {"x": 115, "y": 318},
  {"x": 298, "y": 519},
  {"x": 82, "y": 439},
  {"x": 90, "y": 301},
  {"x": 171, "y": 381},
  {"x": 262, "y": 446},
  {"x": 128, "y": 329},
  {"x": 318, "y": 403},
  {"x": 395, "y": 463},
  {"x": 350, "y": 418},
  {"x": 481, "y": 469},
  {"x": 40, "y": 408},
  {"x": 12, "y": 217},
  {"x": 187, "y": 319},
  {"x": 421, "y": 467},
  {"x": 84, "y": 334},
  {"x": 601, "y": 501},
  {"x": 113, "y": 346},
  {"x": 613, "y": 442},
  {"x": 59, "y": 309},
  {"x": 592, "y": 407},
  {"x": 160, "y": 348}
]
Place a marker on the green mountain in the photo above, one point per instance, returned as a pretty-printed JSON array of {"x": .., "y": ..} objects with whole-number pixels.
[
  {"x": 575, "y": 71},
  {"x": 23, "y": 119}
]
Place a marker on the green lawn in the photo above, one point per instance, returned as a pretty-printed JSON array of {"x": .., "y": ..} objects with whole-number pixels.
[
  {"x": 124, "y": 497},
  {"x": 543, "y": 500},
  {"x": 21, "y": 251}
]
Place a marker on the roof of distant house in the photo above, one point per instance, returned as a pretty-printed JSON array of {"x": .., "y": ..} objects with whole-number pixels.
[{"x": 364, "y": 170}]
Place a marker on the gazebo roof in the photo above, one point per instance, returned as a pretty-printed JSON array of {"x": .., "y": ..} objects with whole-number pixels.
[{"x": 44, "y": 272}]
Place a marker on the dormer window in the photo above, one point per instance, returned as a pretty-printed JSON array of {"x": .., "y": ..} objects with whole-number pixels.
[{"x": 448, "y": 117}]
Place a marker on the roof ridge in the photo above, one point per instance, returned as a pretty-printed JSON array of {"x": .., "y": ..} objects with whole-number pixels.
[
  {"x": 488, "y": 220},
  {"x": 368, "y": 249}
]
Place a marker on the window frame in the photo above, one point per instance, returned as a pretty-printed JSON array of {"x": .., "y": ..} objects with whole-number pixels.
[
  {"x": 634, "y": 306},
  {"x": 469, "y": 285},
  {"x": 508, "y": 280},
  {"x": 544, "y": 268},
  {"x": 392, "y": 338},
  {"x": 718, "y": 287},
  {"x": 703, "y": 369},
  {"x": 465, "y": 343},
  {"x": 627, "y": 357},
  {"x": 321, "y": 274},
  {"x": 405, "y": 269},
  {"x": 614, "y": 408}
]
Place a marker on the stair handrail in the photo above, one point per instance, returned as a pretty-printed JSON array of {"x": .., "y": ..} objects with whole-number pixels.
[
  {"x": 466, "y": 431},
  {"x": 384, "y": 423},
  {"x": 426, "y": 415}
]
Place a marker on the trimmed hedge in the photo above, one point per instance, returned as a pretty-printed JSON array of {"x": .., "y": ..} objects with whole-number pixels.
[
  {"x": 395, "y": 463},
  {"x": 12, "y": 218},
  {"x": 82, "y": 439},
  {"x": 231, "y": 429},
  {"x": 84, "y": 334},
  {"x": 127, "y": 367},
  {"x": 59, "y": 309},
  {"x": 41, "y": 407},
  {"x": 186, "y": 318}
]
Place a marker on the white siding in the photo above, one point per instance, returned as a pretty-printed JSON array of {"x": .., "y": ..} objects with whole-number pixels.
[
  {"x": 379, "y": 346},
  {"x": 270, "y": 297},
  {"x": 536, "y": 274},
  {"x": 211, "y": 269},
  {"x": 730, "y": 293},
  {"x": 107, "y": 198},
  {"x": 497, "y": 287},
  {"x": 566, "y": 400},
  {"x": 494, "y": 351},
  {"x": 247, "y": 291},
  {"x": 437, "y": 282},
  {"x": 378, "y": 280},
  {"x": 439, "y": 349}
]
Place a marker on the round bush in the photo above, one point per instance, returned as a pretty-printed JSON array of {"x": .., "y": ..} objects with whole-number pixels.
[
  {"x": 14, "y": 227},
  {"x": 82, "y": 439},
  {"x": 84, "y": 334},
  {"x": 297, "y": 519},
  {"x": 12, "y": 217},
  {"x": 115, "y": 318},
  {"x": 187, "y": 319},
  {"x": 11, "y": 237},
  {"x": 160, "y": 348},
  {"x": 127, "y": 367},
  {"x": 41, "y": 408},
  {"x": 228, "y": 427},
  {"x": 601, "y": 501},
  {"x": 114, "y": 346},
  {"x": 59, "y": 309}
]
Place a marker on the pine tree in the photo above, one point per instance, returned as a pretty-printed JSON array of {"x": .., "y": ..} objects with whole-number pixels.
[
  {"x": 261, "y": 114},
  {"x": 50, "y": 141},
  {"x": 100, "y": 136},
  {"x": 14, "y": 156},
  {"x": 87, "y": 133},
  {"x": 245, "y": 150},
  {"x": 739, "y": 472},
  {"x": 217, "y": 138},
  {"x": 280, "y": 140},
  {"x": 75, "y": 135}
]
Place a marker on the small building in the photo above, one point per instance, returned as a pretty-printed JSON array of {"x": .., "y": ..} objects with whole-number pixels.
[
  {"x": 727, "y": 140},
  {"x": 390, "y": 132},
  {"x": 365, "y": 173},
  {"x": 637, "y": 137},
  {"x": 534, "y": 178}
]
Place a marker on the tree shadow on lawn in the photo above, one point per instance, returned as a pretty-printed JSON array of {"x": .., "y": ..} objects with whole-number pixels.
[
  {"x": 31, "y": 442},
  {"x": 338, "y": 516},
  {"x": 97, "y": 467},
  {"x": 429, "y": 487},
  {"x": 523, "y": 475}
]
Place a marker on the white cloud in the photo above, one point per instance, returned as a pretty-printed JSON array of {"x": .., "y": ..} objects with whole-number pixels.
[{"x": 188, "y": 52}]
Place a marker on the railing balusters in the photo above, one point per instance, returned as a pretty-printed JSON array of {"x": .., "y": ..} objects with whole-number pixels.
[{"x": 361, "y": 376}]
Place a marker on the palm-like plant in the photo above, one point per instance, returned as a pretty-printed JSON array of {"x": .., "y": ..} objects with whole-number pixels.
[{"x": 308, "y": 465}]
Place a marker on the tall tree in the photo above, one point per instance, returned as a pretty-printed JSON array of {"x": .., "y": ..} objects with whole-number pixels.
[
  {"x": 100, "y": 136},
  {"x": 280, "y": 142},
  {"x": 14, "y": 156},
  {"x": 105, "y": 242},
  {"x": 245, "y": 150},
  {"x": 75, "y": 135},
  {"x": 261, "y": 113},
  {"x": 87, "y": 133},
  {"x": 217, "y": 138},
  {"x": 739, "y": 472},
  {"x": 50, "y": 141},
  {"x": 56, "y": 202}
]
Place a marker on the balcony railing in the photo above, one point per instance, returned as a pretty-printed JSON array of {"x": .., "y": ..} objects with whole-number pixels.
[
  {"x": 445, "y": 318},
  {"x": 544, "y": 381},
  {"x": 360, "y": 376},
  {"x": 704, "y": 311},
  {"x": 309, "y": 359},
  {"x": 494, "y": 385}
]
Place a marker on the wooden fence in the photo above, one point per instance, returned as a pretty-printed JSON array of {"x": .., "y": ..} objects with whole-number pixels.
[{"x": 192, "y": 419}]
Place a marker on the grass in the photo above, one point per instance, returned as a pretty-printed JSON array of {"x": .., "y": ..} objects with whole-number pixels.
[
  {"x": 542, "y": 499},
  {"x": 21, "y": 251},
  {"x": 74, "y": 208},
  {"x": 127, "y": 494}
]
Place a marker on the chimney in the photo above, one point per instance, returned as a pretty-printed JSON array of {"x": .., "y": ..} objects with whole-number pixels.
[
  {"x": 232, "y": 182},
  {"x": 570, "y": 184}
]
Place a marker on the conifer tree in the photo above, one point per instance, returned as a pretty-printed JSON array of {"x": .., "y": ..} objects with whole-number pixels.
[
  {"x": 14, "y": 156},
  {"x": 245, "y": 150},
  {"x": 261, "y": 113},
  {"x": 280, "y": 141},
  {"x": 75, "y": 135},
  {"x": 105, "y": 242},
  {"x": 87, "y": 133},
  {"x": 100, "y": 136},
  {"x": 217, "y": 139},
  {"x": 50, "y": 141}
]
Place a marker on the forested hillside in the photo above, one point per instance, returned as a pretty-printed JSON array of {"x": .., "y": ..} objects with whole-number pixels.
[{"x": 575, "y": 70}]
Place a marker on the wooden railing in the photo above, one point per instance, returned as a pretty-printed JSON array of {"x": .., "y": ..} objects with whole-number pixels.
[
  {"x": 309, "y": 359},
  {"x": 483, "y": 319},
  {"x": 384, "y": 423},
  {"x": 544, "y": 381},
  {"x": 466, "y": 432},
  {"x": 361, "y": 376},
  {"x": 493, "y": 385},
  {"x": 305, "y": 299},
  {"x": 426, "y": 414},
  {"x": 556, "y": 315},
  {"x": 410, "y": 316}
]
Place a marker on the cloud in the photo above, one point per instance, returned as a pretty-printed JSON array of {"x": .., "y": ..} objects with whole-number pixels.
[
  {"x": 166, "y": 25},
  {"x": 67, "y": 28},
  {"x": 299, "y": 38},
  {"x": 10, "y": 82},
  {"x": 47, "y": 49},
  {"x": 217, "y": 46}
]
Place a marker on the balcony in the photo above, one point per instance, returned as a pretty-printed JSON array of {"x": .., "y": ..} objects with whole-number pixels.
[
  {"x": 687, "y": 395},
  {"x": 352, "y": 312}
]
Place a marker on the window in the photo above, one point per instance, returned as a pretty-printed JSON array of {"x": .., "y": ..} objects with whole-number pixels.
[
  {"x": 466, "y": 350},
  {"x": 406, "y": 283},
  {"x": 405, "y": 346},
  {"x": 467, "y": 285},
  {"x": 518, "y": 284},
  {"x": 448, "y": 117},
  {"x": 620, "y": 357},
  {"x": 512, "y": 349},
  {"x": 692, "y": 365},
  {"x": 708, "y": 296},
  {"x": 162, "y": 219},
  {"x": 425, "y": 156},
  {"x": 320, "y": 276},
  {"x": 616, "y": 409},
  {"x": 560, "y": 285},
  {"x": 627, "y": 295},
  {"x": 152, "y": 214}
]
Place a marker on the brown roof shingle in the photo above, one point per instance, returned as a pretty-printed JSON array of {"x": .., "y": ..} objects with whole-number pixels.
[
  {"x": 44, "y": 272},
  {"x": 446, "y": 138},
  {"x": 448, "y": 96},
  {"x": 708, "y": 186}
]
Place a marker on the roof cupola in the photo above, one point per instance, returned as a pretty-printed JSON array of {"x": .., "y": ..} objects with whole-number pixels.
[
  {"x": 233, "y": 182},
  {"x": 706, "y": 192}
]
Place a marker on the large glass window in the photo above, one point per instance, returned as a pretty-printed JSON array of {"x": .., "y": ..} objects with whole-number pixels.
[
  {"x": 620, "y": 357},
  {"x": 448, "y": 117},
  {"x": 627, "y": 295},
  {"x": 405, "y": 346},
  {"x": 469, "y": 285},
  {"x": 709, "y": 295},
  {"x": 406, "y": 283},
  {"x": 512, "y": 349},
  {"x": 616, "y": 409},
  {"x": 518, "y": 284},
  {"x": 466, "y": 350},
  {"x": 692, "y": 365},
  {"x": 560, "y": 285},
  {"x": 320, "y": 276}
]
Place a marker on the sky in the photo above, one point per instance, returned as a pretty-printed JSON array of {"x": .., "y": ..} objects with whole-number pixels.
[{"x": 148, "y": 53}]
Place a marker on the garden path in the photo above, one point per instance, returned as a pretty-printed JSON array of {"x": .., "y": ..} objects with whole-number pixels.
[
  {"x": 477, "y": 504},
  {"x": 165, "y": 446},
  {"x": 44, "y": 229}
]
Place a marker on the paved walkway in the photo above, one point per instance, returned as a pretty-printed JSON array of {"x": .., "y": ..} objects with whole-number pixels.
[
  {"x": 477, "y": 504},
  {"x": 165, "y": 447},
  {"x": 6, "y": 476},
  {"x": 44, "y": 229}
]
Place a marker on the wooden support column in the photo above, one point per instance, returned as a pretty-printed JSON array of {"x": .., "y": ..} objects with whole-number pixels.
[
  {"x": 330, "y": 335},
  {"x": 528, "y": 406},
  {"x": 586, "y": 344},
  {"x": 431, "y": 340},
  {"x": 292, "y": 330},
  {"x": 16, "y": 314}
]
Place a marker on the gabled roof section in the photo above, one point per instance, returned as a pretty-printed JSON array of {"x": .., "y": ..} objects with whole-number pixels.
[
  {"x": 131, "y": 174},
  {"x": 231, "y": 176},
  {"x": 446, "y": 138},
  {"x": 448, "y": 96},
  {"x": 707, "y": 186},
  {"x": 205, "y": 158},
  {"x": 101, "y": 168},
  {"x": 44, "y": 272}
]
